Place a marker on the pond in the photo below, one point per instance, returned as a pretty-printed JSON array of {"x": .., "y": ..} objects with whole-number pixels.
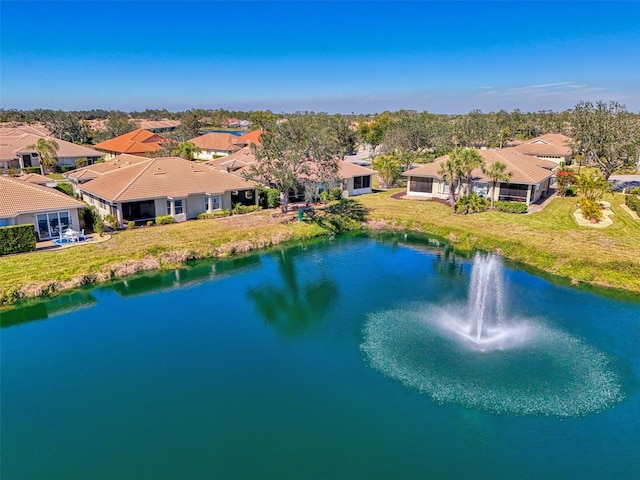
[{"x": 329, "y": 359}]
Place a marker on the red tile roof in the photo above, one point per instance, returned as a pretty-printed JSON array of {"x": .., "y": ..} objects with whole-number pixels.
[{"x": 137, "y": 142}]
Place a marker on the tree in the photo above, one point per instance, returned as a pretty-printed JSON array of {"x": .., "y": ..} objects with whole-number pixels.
[
  {"x": 373, "y": 132},
  {"x": 449, "y": 172},
  {"x": 117, "y": 123},
  {"x": 497, "y": 172},
  {"x": 389, "y": 169},
  {"x": 304, "y": 146},
  {"x": 467, "y": 160},
  {"x": 262, "y": 119},
  {"x": 48, "y": 151},
  {"x": 593, "y": 186},
  {"x": 606, "y": 134},
  {"x": 189, "y": 125},
  {"x": 186, "y": 150},
  {"x": 68, "y": 127}
]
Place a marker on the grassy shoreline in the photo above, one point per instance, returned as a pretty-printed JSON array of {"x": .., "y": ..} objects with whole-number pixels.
[{"x": 549, "y": 241}]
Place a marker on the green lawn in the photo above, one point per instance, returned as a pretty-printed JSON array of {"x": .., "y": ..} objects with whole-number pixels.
[{"x": 550, "y": 241}]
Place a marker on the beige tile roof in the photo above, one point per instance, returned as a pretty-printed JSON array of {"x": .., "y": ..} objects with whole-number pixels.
[
  {"x": 153, "y": 124},
  {"x": 234, "y": 161},
  {"x": 524, "y": 169},
  {"x": 92, "y": 171},
  {"x": 18, "y": 197},
  {"x": 162, "y": 177},
  {"x": 217, "y": 141},
  {"x": 549, "y": 145},
  {"x": 35, "y": 178},
  {"x": 350, "y": 170},
  {"x": 14, "y": 142}
]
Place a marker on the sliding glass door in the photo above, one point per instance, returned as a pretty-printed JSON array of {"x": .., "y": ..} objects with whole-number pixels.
[{"x": 52, "y": 224}]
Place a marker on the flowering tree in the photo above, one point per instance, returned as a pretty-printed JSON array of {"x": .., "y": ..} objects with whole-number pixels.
[{"x": 565, "y": 178}]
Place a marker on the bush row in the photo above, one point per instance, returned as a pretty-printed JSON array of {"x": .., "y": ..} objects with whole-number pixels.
[
  {"x": 17, "y": 239},
  {"x": 633, "y": 202},
  {"x": 511, "y": 207},
  {"x": 240, "y": 209},
  {"x": 216, "y": 214}
]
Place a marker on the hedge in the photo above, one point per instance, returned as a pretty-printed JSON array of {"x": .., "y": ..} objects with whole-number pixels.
[
  {"x": 511, "y": 207},
  {"x": 216, "y": 214},
  {"x": 31, "y": 169},
  {"x": 164, "y": 219},
  {"x": 17, "y": 239},
  {"x": 633, "y": 202},
  {"x": 240, "y": 209}
]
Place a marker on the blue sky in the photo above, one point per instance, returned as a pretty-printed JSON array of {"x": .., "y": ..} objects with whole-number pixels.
[{"x": 362, "y": 57}]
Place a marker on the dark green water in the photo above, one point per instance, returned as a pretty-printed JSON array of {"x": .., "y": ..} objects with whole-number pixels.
[{"x": 310, "y": 362}]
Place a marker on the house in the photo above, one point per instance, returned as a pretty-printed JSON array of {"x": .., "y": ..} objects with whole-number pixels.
[
  {"x": 356, "y": 180},
  {"x": 85, "y": 174},
  {"x": 138, "y": 142},
  {"x": 529, "y": 182},
  {"x": 16, "y": 149},
  {"x": 37, "y": 179},
  {"x": 157, "y": 126},
  {"x": 552, "y": 146},
  {"x": 142, "y": 191},
  {"x": 249, "y": 138},
  {"x": 215, "y": 144},
  {"x": 49, "y": 210}
]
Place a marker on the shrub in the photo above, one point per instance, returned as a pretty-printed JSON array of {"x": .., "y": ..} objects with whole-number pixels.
[
  {"x": 633, "y": 202},
  {"x": 112, "y": 221},
  {"x": 17, "y": 239},
  {"x": 590, "y": 209},
  {"x": 335, "y": 193},
  {"x": 570, "y": 192},
  {"x": 269, "y": 197},
  {"x": 472, "y": 203},
  {"x": 565, "y": 178},
  {"x": 12, "y": 172},
  {"x": 63, "y": 168},
  {"x": 511, "y": 207},
  {"x": 98, "y": 224},
  {"x": 66, "y": 188},
  {"x": 634, "y": 191},
  {"x": 81, "y": 162},
  {"x": 31, "y": 169},
  {"x": 88, "y": 214},
  {"x": 240, "y": 209},
  {"x": 216, "y": 214},
  {"x": 131, "y": 225},
  {"x": 164, "y": 220},
  {"x": 149, "y": 223}
]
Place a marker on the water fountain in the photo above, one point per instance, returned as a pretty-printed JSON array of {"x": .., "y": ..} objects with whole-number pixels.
[{"x": 479, "y": 355}]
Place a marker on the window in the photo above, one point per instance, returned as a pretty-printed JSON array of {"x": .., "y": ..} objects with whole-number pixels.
[
  {"x": 168, "y": 207},
  {"x": 422, "y": 185},
  {"x": 178, "y": 206},
  {"x": 215, "y": 203},
  {"x": 206, "y": 203},
  {"x": 361, "y": 182}
]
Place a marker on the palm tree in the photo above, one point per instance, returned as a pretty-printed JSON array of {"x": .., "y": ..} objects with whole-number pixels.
[
  {"x": 497, "y": 172},
  {"x": 470, "y": 159},
  {"x": 48, "y": 151},
  {"x": 388, "y": 168},
  {"x": 186, "y": 150},
  {"x": 448, "y": 171}
]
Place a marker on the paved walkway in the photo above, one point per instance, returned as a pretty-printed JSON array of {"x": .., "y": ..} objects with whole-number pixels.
[{"x": 94, "y": 238}]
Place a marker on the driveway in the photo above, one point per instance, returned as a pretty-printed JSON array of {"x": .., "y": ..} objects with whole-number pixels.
[{"x": 620, "y": 182}]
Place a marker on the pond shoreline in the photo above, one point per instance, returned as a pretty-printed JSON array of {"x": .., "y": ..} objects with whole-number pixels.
[{"x": 247, "y": 236}]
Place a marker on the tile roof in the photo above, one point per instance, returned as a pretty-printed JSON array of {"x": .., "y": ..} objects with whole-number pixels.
[
  {"x": 234, "y": 161},
  {"x": 14, "y": 142},
  {"x": 162, "y": 177},
  {"x": 18, "y": 197},
  {"x": 249, "y": 138},
  {"x": 216, "y": 141},
  {"x": 153, "y": 124},
  {"x": 524, "y": 169},
  {"x": 549, "y": 145},
  {"x": 35, "y": 178},
  {"x": 92, "y": 171},
  {"x": 136, "y": 142}
]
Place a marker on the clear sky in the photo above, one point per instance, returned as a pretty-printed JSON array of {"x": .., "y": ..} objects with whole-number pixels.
[{"x": 335, "y": 57}]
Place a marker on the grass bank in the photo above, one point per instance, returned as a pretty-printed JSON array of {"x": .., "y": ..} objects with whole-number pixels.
[{"x": 550, "y": 241}]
